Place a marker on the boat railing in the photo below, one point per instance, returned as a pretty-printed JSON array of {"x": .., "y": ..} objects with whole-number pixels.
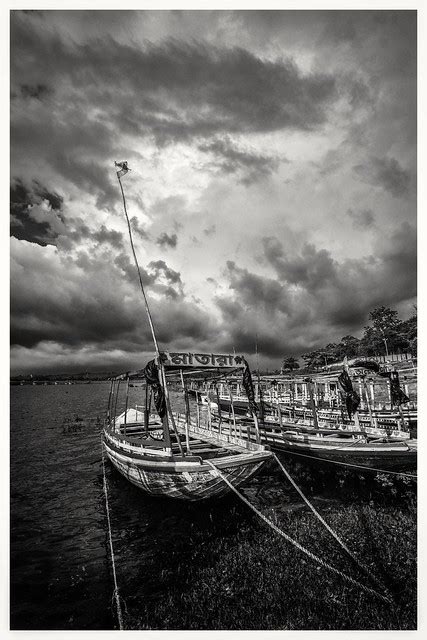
[{"x": 227, "y": 435}]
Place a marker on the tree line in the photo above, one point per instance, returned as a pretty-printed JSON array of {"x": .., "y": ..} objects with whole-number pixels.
[{"x": 385, "y": 334}]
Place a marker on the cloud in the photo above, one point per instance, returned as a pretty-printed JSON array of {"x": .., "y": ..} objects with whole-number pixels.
[
  {"x": 255, "y": 290},
  {"x": 197, "y": 117},
  {"x": 315, "y": 298},
  {"x": 362, "y": 218},
  {"x": 166, "y": 240},
  {"x": 313, "y": 269},
  {"x": 229, "y": 158},
  {"x": 38, "y": 91},
  {"x": 241, "y": 91},
  {"x": 84, "y": 301},
  {"x": 386, "y": 173},
  {"x": 134, "y": 222},
  {"x": 38, "y": 216},
  {"x": 210, "y": 230},
  {"x": 345, "y": 291},
  {"x": 35, "y": 213}
]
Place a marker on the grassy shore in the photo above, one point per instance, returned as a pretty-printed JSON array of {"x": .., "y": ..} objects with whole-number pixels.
[{"x": 244, "y": 576}]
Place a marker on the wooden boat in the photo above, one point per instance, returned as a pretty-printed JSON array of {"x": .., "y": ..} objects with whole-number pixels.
[
  {"x": 164, "y": 455},
  {"x": 349, "y": 447},
  {"x": 376, "y": 424},
  {"x": 298, "y": 393},
  {"x": 353, "y": 447},
  {"x": 313, "y": 412},
  {"x": 169, "y": 457},
  {"x": 387, "y": 446}
]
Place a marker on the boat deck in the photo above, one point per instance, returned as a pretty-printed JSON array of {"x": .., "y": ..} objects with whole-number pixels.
[{"x": 210, "y": 446}]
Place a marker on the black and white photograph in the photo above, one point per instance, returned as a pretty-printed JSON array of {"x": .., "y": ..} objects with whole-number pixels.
[{"x": 213, "y": 398}]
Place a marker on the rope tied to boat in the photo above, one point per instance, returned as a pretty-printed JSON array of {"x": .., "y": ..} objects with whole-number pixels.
[
  {"x": 356, "y": 466},
  {"x": 385, "y": 598},
  {"x": 116, "y": 596},
  {"x": 351, "y": 555}
]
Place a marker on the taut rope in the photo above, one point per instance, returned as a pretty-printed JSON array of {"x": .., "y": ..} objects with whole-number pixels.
[
  {"x": 308, "y": 553},
  {"x": 361, "y": 566},
  {"x": 113, "y": 561},
  {"x": 350, "y": 464}
]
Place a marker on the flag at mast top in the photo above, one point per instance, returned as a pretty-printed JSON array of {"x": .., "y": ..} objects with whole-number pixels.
[{"x": 123, "y": 168}]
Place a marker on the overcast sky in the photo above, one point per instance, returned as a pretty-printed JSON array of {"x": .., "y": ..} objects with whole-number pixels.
[{"x": 272, "y": 188}]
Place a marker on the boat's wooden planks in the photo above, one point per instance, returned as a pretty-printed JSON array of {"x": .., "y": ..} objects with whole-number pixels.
[{"x": 189, "y": 484}]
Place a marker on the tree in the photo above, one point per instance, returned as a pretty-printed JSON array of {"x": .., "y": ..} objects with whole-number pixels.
[
  {"x": 408, "y": 333},
  {"x": 349, "y": 346},
  {"x": 290, "y": 364},
  {"x": 383, "y": 335},
  {"x": 314, "y": 359},
  {"x": 372, "y": 343}
]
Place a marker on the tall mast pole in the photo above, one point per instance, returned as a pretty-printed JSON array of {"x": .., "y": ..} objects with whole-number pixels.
[
  {"x": 124, "y": 167},
  {"x": 147, "y": 308}
]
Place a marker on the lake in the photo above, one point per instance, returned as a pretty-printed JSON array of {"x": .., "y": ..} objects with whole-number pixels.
[{"x": 60, "y": 566}]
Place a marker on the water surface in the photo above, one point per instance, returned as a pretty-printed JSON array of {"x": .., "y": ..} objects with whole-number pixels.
[{"x": 60, "y": 567}]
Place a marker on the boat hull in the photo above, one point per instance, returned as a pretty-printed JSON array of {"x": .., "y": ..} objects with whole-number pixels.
[
  {"x": 382, "y": 455},
  {"x": 343, "y": 447},
  {"x": 180, "y": 477}
]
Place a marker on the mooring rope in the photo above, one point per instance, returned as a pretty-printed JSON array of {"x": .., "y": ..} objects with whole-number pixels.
[
  {"x": 308, "y": 553},
  {"x": 116, "y": 596},
  {"x": 349, "y": 464},
  {"x": 351, "y": 555}
]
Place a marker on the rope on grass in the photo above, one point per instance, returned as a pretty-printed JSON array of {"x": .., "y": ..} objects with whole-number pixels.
[
  {"x": 350, "y": 464},
  {"x": 351, "y": 555},
  {"x": 296, "y": 544},
  {"x": 116, "y": 596}
]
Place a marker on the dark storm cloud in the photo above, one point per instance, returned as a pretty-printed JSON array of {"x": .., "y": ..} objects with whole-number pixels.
[
  {"x": 362, "y": 218},
  {"x": 386, "y": 173},
  {"x": 350, "y": 288},
  {"x": 231, "y": 159},
  {"x": 243, "y": 331},
  {"x": 25, "y": 224},
  {"x": 85, "y": 301},
  {"x": 178, "y": 89},
  {"x": 166, "y": 240},
  {"x": 256, "y": 290},
  {"x": 313, "y": 269},
  {"x": 315, "y": 298},
  {"x": 75, "y": 231},
  {"x": 36, "y": 216},
  {"x": 22, "y": 195},
  {"x": 63, "y": 136},
  {"x": 342, "y": 29},
  {"x": 37, "y": 92},
  {"x": 81, "y": 107},
  {"x": 83, "y": 93}
]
